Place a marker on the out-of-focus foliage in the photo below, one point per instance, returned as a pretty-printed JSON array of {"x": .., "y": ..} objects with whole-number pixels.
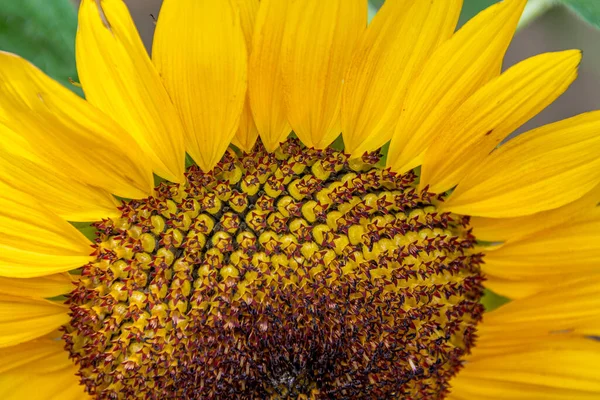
[
  {"x": 470, "y": 8},
  {"x": 43, "y": 32},
  {"x": 589, "y": 10}
]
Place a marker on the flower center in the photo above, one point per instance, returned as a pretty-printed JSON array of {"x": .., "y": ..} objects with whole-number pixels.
[{"x": 297, "y": 274}]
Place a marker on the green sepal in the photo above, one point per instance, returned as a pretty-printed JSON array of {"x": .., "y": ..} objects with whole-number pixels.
[
  {"x": 86, "y": 228},
  {"x": 491, "y": 300}
]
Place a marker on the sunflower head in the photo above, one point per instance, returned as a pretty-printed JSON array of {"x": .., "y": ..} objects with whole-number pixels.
[{"x": 283, "y": 266}]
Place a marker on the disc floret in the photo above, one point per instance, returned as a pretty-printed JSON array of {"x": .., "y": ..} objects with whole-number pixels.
[{"x": 294, "y": 274}]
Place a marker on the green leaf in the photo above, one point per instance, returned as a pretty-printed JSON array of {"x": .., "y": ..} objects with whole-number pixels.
[
  {"x": 43, "y": 32},
  {"x": 589, "y": 10}
]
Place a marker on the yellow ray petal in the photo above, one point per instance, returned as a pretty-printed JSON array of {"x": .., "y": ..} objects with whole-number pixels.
[
  {"x": 200, "y": 53},
  {"x": 563, "y": 371},
  {"x": 68, "y": 133},
  {"x": 455, "y": 71},
  {"x": 572, "y": 248},
  {"x": 504, "y": 229},
  {"x": 537, "y": 347},
  {"x": 36, "y": 242},
  {"x": 516, "y": 288},
  {"x": 119, "y": 78},
  {"x": 11, "y": 142},
  {"x": 318, "y": 42},
  {"x": 391, "y": 53},
  {"x": 540, "y": 170},
  {"x": 39, "y": 369},
  {"x": 40, "y": 287},
  {"x": 67, "y": 197},
  {"x": 571, "y": 306},
  {"x": 265, "y": 81},
  {"x": 23, "y": 319},
  {"x": 492, "y": 113},
  {"x": 247, "y": 132}
]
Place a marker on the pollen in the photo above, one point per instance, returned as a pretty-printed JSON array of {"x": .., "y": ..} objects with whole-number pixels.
[{"x": 298, "y": 274}]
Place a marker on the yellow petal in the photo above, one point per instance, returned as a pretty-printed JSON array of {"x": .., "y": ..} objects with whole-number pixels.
[
  {"x": 265, "y": 81},
  {"x": 511, "y": 229},
  {"x": 119, "y": 78},
  {"x": 516, "y": 288},
  {"x": 40, "y": 287},
  {"x": 537, "y": 347},
  {"x": 389, "y": 56},
  {"x": 36, "y": 242},
  {"x": 68, "y": 133},
  {"x": 200, "y": 53},
  {"x": 318, "y": 42},
  {"x": 571, "y": 306},
  {"x": 67, "y": 197},
  {"x": 247, "y": 133},
  {"x": 554, "y": 371},
  {"x": 39, "y": 369},
  {"x": 492, "y": 113},
  {"x": 11, "y": 142},
  {"x": 572, "y": 248},
  {"x": 540, "y": 170},
  {"x": 23, "y": 319},
  {"x": 456, "y": 70}
]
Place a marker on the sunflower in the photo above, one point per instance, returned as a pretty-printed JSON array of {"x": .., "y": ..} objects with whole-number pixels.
[{"x": 268, "y": 264}]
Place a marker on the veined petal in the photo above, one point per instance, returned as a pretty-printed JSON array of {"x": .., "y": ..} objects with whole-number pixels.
[
  {"x": 540, "y": 170},
  {"x": 11, "y": 142},
  {"x": 553, "y": 370},
  {"x": 118, "y": 77},
  {"x": 492, "y": 113},
  {"x": 518, "y": 288},
  {"x": 571, "y": 306},
  {"x": 536, "y": 348},
  {"x": 67, "y": 197},
  {"x": 34, "y": 241},
  {"x": 39, "y": 369},
  {"x": 23, "y": 319},
  {"x": 200, "y": 53},
  {"x": 569, "y": 249},
  {"x": 391, "y": 53},
  {"x": 39, "y": 287},
  {"x": 511, "y": 229},
  {"x": 247, "y": 133},
  {"x": 318, "y": 41},
  {"x": 68, "y": 133},
  {"x": 265, "y": 81},
  {"x": 452, "y": 74}
]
